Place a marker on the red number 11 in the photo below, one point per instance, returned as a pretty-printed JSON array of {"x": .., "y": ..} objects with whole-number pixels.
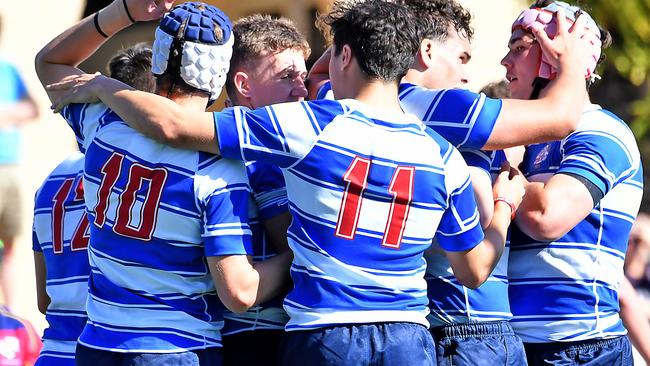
[{"x": 401, "y": 187}]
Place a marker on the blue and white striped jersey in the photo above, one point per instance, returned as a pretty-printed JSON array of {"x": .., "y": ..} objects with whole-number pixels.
[
  {"x": 368, "y": 191},
  {"x": 60, "y": 232},
  {"x": 451, "y": 302},
  {"x": 567, "y": 290},
  {"x": 270, "y": 196},
  {"x": 156, "y": 212},
  {"x": 464, "y": 118}
]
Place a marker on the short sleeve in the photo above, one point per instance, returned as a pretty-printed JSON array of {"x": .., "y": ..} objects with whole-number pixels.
[
  {"x": 459, "y": 228},
  {"x": 601, "y": 157},
  {"x": 269, "y": 189},
  {"x": 85, "y": 119},
  {"x": 36, "y": 245},
  {"x": 12, "y": 88},
  {"x": 478, "y": 158},
  {"x": 280, "y": 134},
  {"x": 464, "y": 118}
]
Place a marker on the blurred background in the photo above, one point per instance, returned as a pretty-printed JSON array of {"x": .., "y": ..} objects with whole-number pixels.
[{"x": 26, "y": 27}]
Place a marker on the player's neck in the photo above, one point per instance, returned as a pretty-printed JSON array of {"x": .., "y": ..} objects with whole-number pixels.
[
  {"x": 195, "y": 102},
  {"x": 380, "y": 95},
  {"x": 414, "y": 77}
]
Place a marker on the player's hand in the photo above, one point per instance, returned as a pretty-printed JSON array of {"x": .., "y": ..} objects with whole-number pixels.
[
  {"x": 571, "y": 45},
  {"x": 73, "y": 89},
  {"x": 510, "y": 185},
  {"x": 144, "y": 10}
]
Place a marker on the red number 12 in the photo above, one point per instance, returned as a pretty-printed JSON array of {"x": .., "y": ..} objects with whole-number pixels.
[{"x": 80, "y": 237}]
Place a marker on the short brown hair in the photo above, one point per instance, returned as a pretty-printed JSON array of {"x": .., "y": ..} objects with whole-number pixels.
[
  {"x": 260, "y": 34},
  {"x": 132, "y": 66}
]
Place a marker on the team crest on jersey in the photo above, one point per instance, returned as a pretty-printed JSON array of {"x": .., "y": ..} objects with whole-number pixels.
[{"x": 541, "y": 156}]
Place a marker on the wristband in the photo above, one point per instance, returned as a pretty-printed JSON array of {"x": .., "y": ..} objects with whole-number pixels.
[
  {"x": 96, "y": 21},
  {"x": 507, "y": 201},
  {"x": 128, "y": 14}
]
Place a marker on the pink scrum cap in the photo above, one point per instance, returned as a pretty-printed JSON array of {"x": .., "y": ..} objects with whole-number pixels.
[{"x": 543, "y": 17}]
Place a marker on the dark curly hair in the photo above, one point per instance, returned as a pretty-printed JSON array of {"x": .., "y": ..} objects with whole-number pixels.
[
  {"x": 435, "y": 17},
  {"x": 382, "y": 35}
]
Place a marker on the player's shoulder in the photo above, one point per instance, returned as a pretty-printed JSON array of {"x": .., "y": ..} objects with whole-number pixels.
[
  {"x": 70, "y": 166},
  {"x": 218, "y": 167},
  {"x": 594, "y": 117},
  {"x": 602, "y": 123},
  {"x": 408, "y": 91}
]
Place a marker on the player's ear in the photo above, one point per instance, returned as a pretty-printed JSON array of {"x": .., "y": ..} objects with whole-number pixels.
[
  {"x": 242, "y": 85},
  {"x": 425, "y": 53},
  {"x": 346, "y": 56}
]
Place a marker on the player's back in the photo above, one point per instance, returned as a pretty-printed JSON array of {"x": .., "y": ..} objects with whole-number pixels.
[
  {"x": 367, "y": 192},
  {"x": 155, "y": 213},
  {"x": 368, "y": 199},
  {"x": 60, "y": 233}
]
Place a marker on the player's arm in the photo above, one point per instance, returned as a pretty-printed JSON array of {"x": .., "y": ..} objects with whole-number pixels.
[
  {"x": 557, "y": 112},
  {"x": 593, "y": 163},
  {"x": 479, "y": 164},
  {"x": 23, "y": 110},
  {"x": 473, "y": 267},
  {"x": 483, "y": 194},
  {"x": 241, "y": 285},
  {"x": 549, "y": 210},
  {"x": 276, "y": 229},
  {"x": 59, "y": 58},
  {"x": 152, "y": 115},
  {"x": 634, "y": 319},
  {"x": 42, "y": 297},
  {"x": 319, "y": 74}
]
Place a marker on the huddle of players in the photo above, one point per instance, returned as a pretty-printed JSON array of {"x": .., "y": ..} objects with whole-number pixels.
[{"x": 178, "y": 237}]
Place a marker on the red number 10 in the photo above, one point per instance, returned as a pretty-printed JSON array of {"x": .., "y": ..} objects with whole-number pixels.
[
  {"x": 148, "y": 212},
  {"x": 401, "y": 187}
]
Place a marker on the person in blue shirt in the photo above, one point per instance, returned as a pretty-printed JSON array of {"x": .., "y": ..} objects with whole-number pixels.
[
  {"x": 17, "y": 107},
  {"x": 170, "y": 240},
  {"x": 267, "y": 67},
  {"x": 360, "y": 180},
  {"x": 584, "y": 191},
  {"x": 60, "y": 232}
]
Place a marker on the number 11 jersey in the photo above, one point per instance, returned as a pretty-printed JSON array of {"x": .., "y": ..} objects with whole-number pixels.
[{"x": 368, "y": 191}]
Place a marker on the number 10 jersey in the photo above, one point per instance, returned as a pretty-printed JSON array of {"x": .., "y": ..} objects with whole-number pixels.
[{"x": 155, "y": 213}]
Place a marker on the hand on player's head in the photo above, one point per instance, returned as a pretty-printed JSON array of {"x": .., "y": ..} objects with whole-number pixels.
[
  {"x": 144, "y": 10},
  {"x": 510, "y": 184},
  {"x": 567, "y": 36}
]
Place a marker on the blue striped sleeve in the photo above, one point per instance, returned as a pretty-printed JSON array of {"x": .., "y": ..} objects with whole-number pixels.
[
  {"x": 225, "y": 222},
  {"x": 325, "y": 91},
  {"x": 269, "y": 190},
  {"x": 280, "y": 134},
  {"x": 459, "y": 228},
  {"x": 464, "y": 118},
  {"x": 478, "y": 158},
  {"x": 36, "y": 245},
  {"x": 600, "y": 157},
  {"x": 74, "y": 115}
]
